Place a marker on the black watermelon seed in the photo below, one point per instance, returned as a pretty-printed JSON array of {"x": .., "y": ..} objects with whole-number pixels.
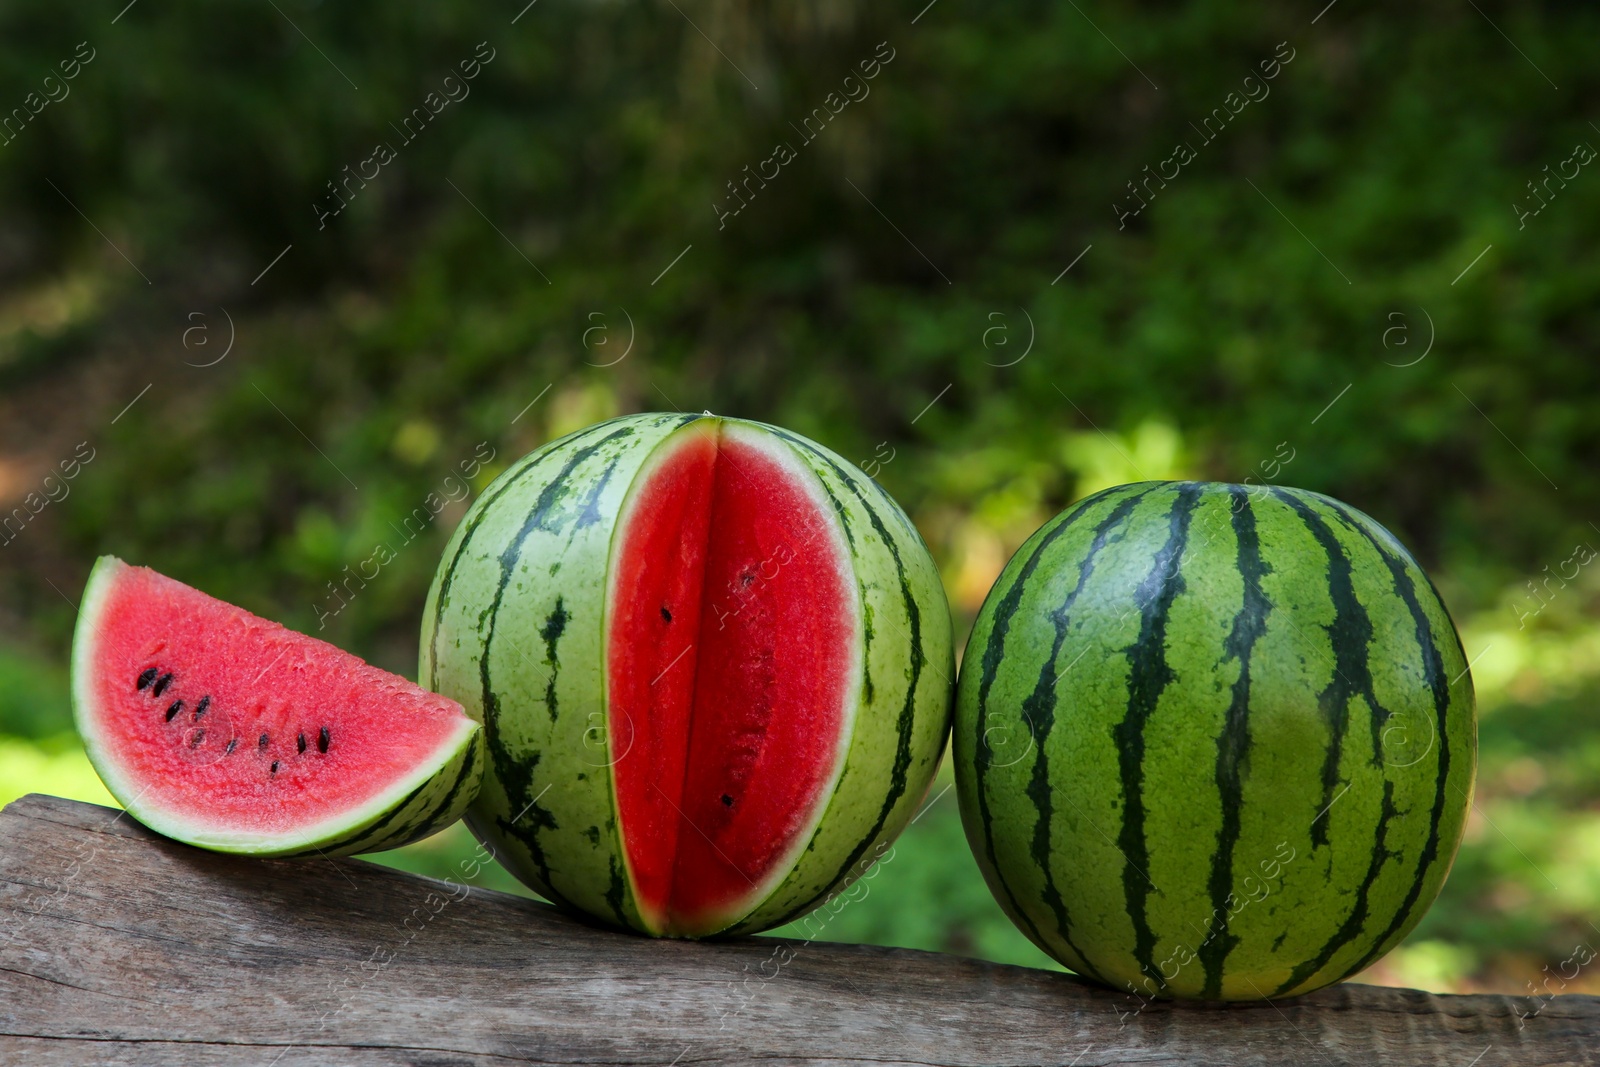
[
  {"x": 322, "y": 740},
  {"x": 665, "y": 614},
  {"x": 199, "y": 736},
  {"x": 229, "y": 750},
  {"x": 727, "y": 801},
  {"x": 200, "y": 708},
  {"x": 162, "y": 683},
  {"x": 173, "y": 709},
  {"x": 262, "y": 744},
  {"x": 274, "y": 767},
  {"x": 146, "y": 678},
  {"x": 300, "y": 743}
]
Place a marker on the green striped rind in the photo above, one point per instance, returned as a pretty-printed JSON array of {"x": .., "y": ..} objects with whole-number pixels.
[
  {"x": 426, "y": 810},
  {"x": 513, "y": 630},
  {"x": 1182, "y": 691},
  {"x": 903, "y": 714},
  {"x": 514, "y": 580}
]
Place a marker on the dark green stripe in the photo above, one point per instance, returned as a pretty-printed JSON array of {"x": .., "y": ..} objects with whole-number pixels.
[
  {"x": 1433, "y": 673},
  {"x": 1350, "y": 634},
  {"x": 553, "y": 628},
  {"x": 439, "y": 816},
  {"x": 364, "y": 838},
  {"x": 1148, "y": 676},
  {"x": 989, "y": 666},
  {"x": 589, "y": 513},
  {"x": 1353, "y": 923},
  {"x": 375, "y": 831},
  {"x": 615, "y": 891},
  {"x": 542, "y": 516},
  {"x": 1039, "y": 712},
  {"x": 516, "y": 776},
  {"x": 1248, "y": 625},
  {"x": 507, "y": 481},
  {"x": 434, "y": 817},
  {"x": 895, "y": 509},
  {"x": 467, "y": 767}
]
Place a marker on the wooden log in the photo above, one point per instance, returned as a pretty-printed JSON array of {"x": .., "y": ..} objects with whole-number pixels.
[{"x": 120, "y": 947}]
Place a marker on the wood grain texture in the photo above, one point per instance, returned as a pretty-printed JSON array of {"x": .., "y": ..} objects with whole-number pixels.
[{"x": 119, "y": 947}]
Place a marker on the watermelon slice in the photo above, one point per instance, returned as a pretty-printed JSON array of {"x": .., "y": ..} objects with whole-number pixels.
[{"x": 227, "y": 731}]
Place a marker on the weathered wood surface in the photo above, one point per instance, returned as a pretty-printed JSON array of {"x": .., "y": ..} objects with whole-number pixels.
[{"x": 117, "y": 946}]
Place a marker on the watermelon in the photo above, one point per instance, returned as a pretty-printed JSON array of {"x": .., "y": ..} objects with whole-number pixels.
[
  {"x": 229, "y": 732},
  {"x": 1214, "y": 742},
  {"x": 713, "y": 663}
]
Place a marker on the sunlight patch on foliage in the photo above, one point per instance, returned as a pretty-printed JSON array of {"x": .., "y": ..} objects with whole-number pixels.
[
  {"x": 56, "y": 766},
  {"x": 1152, "y": 452}
]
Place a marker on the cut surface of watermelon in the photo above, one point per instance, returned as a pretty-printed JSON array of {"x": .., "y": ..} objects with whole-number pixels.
[
  {"x": 733, "y": 667},
  {"x": 225, "y": 730}
]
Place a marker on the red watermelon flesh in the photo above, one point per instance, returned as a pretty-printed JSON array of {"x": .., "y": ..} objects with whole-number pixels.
[
  {"x": 223, "y": 729},
  {"x": 733, "y": 664}
]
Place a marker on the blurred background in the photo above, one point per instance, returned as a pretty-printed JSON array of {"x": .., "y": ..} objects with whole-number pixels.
[{"x": 269, "y": 272}]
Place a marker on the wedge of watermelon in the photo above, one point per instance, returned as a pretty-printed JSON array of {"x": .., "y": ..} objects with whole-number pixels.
[{"x": 227, "y": 731}]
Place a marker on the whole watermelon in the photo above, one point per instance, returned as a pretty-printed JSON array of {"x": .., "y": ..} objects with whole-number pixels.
[
  {"x": 1214, "y": 742},
  {"x": 713, "y": 665}
]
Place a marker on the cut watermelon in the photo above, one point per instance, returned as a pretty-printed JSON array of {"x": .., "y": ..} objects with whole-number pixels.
[
  {"x": 230, "y": 732},
  {"x": 712, "y": 660}
]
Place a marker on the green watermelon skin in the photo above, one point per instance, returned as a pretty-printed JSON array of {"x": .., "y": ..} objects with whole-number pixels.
[
  {"x": 431, "y": 807},
  {"x": 1214, "y": 742},
  {"x": 514, "y": 628}
]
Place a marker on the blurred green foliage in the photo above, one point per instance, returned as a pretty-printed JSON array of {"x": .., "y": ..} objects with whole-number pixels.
[{"x": 1275, "y": 298}]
